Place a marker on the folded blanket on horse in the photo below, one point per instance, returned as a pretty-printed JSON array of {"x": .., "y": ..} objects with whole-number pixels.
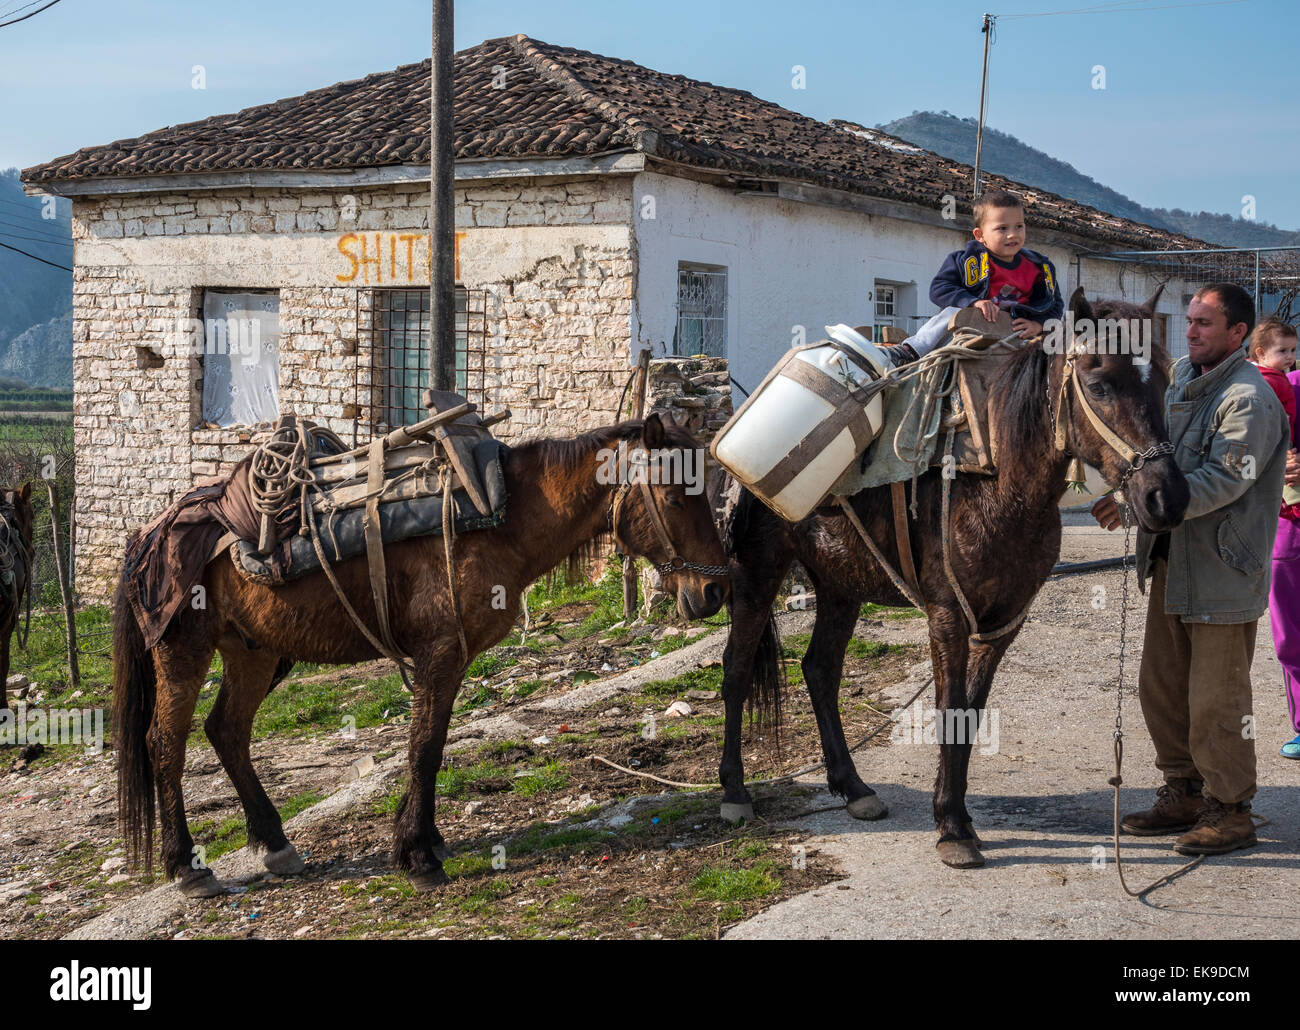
[
  {"x": 342, "y": 534},
  {"x": 916, "y": 425}
]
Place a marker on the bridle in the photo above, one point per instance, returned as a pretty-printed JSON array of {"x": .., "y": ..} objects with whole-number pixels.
[
  {"x": 1072, "y": 386},
  {"x": 675, "y": 562}
]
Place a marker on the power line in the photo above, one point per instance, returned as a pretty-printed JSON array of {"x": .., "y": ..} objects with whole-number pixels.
[
  {"x": 35, "y": 258},
  {"x": 14, "y": 21},
  {"x": 52, "y": 238},
  {"x": 30, "y": 239},
  {"x": 14, "y": 10}
]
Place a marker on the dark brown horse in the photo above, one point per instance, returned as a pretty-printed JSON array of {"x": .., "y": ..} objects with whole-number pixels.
[
  {"x": 1005, "y": 536},
  {"x": 16, "y": 555},
  {"x": 560, "y": 501}
]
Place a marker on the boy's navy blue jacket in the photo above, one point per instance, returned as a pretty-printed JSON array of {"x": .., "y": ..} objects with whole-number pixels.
[{"x": 964, "y": 278}]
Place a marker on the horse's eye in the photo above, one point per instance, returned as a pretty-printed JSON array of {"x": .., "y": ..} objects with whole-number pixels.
[
  {"x": 1098, "y": 391},
  {"x": 673, "y": 501}
]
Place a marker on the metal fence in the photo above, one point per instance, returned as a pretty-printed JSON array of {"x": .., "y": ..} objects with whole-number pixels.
[{"x": 1271, "y": 275}]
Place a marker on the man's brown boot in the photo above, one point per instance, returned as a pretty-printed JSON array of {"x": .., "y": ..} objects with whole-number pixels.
[
  {"x": 1178, "y": 806},
  {"x": 1220, "y": 829}
]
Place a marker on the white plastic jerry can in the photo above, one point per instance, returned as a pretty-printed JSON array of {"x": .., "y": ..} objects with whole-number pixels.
[{"x": 807, "y": 422}]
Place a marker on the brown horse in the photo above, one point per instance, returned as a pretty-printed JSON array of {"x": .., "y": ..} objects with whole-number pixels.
[
  {"x": 16, "y": 556},
  {"x": 561, "y": 499},
  {"x": 1005, "y": 538}
]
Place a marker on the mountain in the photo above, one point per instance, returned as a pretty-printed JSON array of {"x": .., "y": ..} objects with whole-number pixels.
[
  {"x": 42, "y": 355},
  {"x": 35, "y": 298},
  {"x": 954, "y": 138}
]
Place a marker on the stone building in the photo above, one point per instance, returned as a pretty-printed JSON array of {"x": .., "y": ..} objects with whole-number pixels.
[{"x": 275, "y": 260}]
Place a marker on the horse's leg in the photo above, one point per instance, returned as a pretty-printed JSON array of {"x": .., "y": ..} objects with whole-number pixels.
[
  {"x": 823, "y": 664},
  {"x": 181, "y": 661},
  {"x": 754, "y": 586},
  {"x": 963, "y": 676},
  {"x": 246, "y": 676},
  {"x": 418, "y": 847}
]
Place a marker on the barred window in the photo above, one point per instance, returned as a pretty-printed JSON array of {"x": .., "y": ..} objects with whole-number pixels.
[
  {"x": 701, "y": 310},
  {"x": 401, "y": 359}
]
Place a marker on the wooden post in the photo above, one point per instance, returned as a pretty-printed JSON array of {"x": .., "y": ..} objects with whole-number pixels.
[
  {"x": 442, "y": 202},
  {"x": 69, "y": 614},
  {"x": 638, "y": 411}
]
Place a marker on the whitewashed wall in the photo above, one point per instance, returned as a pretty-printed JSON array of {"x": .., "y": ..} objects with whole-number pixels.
[{"x": 795, "y": 264}]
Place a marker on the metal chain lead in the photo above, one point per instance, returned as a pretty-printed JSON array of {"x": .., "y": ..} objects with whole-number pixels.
[{"x": 1116, "y": 780}]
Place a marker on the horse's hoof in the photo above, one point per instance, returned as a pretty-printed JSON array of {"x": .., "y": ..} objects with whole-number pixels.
[
  {"x": 429, "y": 881},
  {"x": 869, "y": 806},
  {"x": 960, "y": 854},
  {"x": 200, "y": 885},
  {"x": 285, "y": 862},
  {"x": 735, "y": 814}
]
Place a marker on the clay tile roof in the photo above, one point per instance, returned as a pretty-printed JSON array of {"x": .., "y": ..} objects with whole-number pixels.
[{"x": 518, "y": 97}]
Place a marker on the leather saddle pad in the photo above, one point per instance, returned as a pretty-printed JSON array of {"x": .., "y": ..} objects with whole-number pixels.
[{"x": 342, "y": 534}]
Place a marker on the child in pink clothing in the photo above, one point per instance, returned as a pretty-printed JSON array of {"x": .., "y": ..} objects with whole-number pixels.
[{"x": 1272, "y": 348}]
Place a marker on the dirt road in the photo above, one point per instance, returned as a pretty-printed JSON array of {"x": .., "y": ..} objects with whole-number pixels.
[{"x": 1041, "y": 804}]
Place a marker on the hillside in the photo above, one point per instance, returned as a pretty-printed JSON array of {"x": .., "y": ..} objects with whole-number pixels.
[
  {"x": 954, "y": 138},
  {"x": 35, "y": 299}
]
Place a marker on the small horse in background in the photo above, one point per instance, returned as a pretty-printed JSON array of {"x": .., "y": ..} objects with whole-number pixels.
[
  {"x": 16, "y": 558},
  {"x": 1005, "y": 539},
  {"x": 562, "y": 499}
]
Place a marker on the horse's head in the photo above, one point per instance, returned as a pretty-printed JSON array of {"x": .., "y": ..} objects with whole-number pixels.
[
  {"x": 1108, "y": 404},
  {"x": 19, "y": 503},
  {"x": 660, "y": 512}
]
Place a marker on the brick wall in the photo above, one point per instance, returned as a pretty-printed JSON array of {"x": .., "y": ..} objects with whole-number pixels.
[{"x": 555, "y": 260}]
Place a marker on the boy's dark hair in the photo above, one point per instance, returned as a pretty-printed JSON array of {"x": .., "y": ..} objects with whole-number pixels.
[
  {"x": 992, "y": 201},
  {"x": 1265, "y": 331},
  {"x": 1235, "y": 303}
]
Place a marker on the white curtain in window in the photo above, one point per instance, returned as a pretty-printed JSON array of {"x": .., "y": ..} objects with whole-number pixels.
[{"x": 241, "y": 358}]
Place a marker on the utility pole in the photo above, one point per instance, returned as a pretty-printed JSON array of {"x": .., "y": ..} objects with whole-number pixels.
[
  {"x": 442, "y": 203},
  {"x": 989, "y": 19}
]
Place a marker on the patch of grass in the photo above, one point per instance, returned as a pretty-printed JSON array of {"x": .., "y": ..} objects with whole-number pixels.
[
  {"x": 476, "y": 698},
  {"x": 546, "y": 779},
  {"x": 480, "y": 901},
  {"x": 458, "y": 781},
  {"x": 475, "y": 864},
  {"x": 218, "y": 838},
  {"x": 880, "y": 611},
  {"x": 526, "y": 687},
  {"x": 859, "y": 648},
  {"x": 299, "y": 803},
  {"x": 723, "y": 883},
  {"x": 693, "y": 679}
]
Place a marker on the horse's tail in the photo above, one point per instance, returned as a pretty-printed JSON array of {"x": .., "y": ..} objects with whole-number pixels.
[
  {"x": 768, "y": 680},
  {"x": 734, "y": 509},
  {"x": 133, "y": 704}
]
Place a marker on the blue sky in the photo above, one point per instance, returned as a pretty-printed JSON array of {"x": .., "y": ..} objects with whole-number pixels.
[{"x": 1198, "y": 111}]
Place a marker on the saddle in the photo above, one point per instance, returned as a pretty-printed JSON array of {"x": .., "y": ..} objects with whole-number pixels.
[
  {"x": 974, "y": 446},
  {"x": 396, "y": 486}
]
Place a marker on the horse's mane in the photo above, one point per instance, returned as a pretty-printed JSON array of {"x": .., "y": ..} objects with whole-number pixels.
[
  {"x": 1022, "y": 415},
  {"x": 571, "y": 452},
  {"x": 1022, "y": 385}
]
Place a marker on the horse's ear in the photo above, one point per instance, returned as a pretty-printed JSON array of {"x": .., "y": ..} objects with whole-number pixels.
[
  {"x": 1079, "y": 305},
  {"x": 25, "y": 494},
  {"x": 652, "y": 432},
  {"x": 1150, "y": 306}
]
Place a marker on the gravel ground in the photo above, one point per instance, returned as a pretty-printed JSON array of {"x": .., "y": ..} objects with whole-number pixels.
[{"x": 1044, "y": 810}]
